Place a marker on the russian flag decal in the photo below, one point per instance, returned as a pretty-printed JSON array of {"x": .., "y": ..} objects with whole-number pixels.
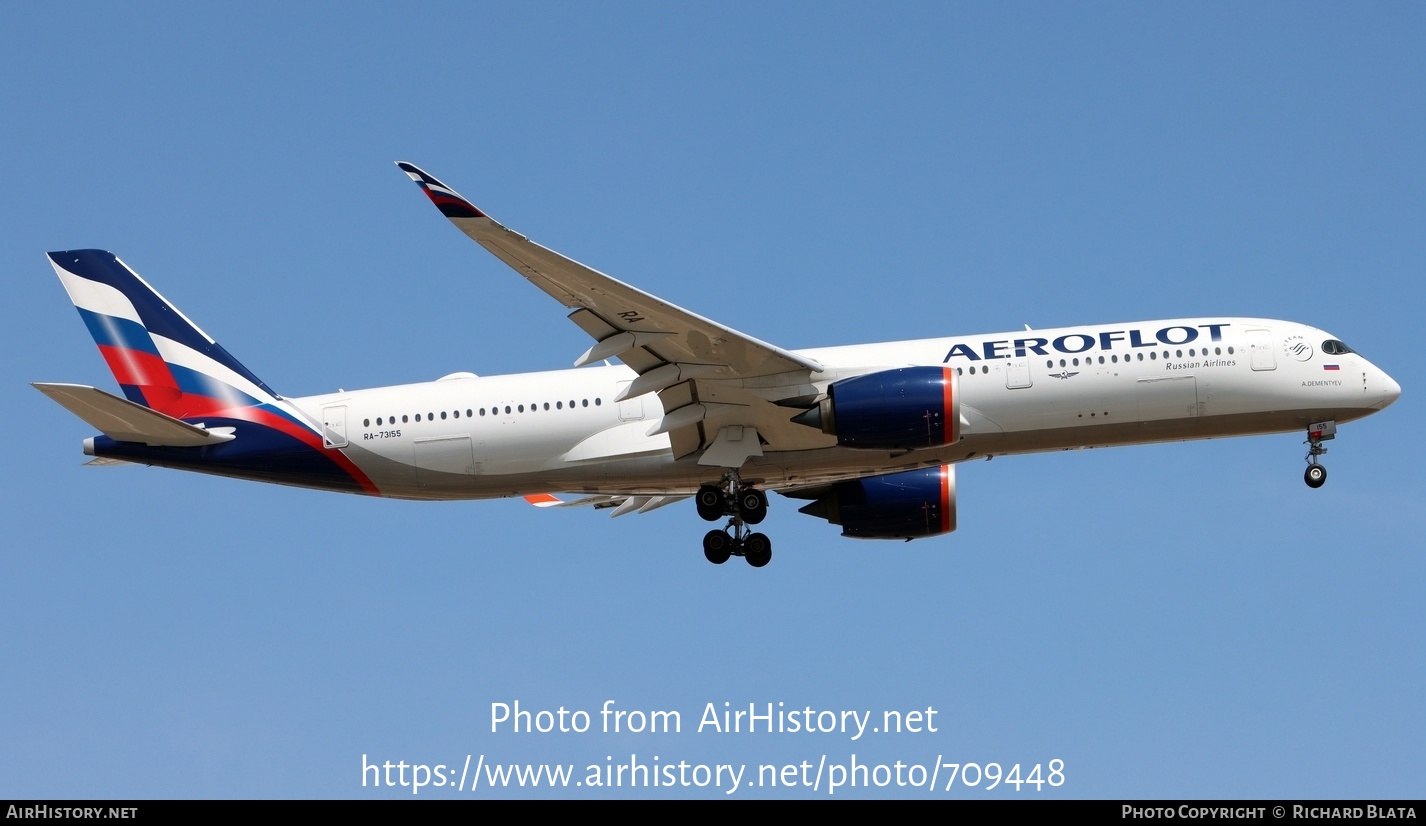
[{"x": 1330, "y": 367}]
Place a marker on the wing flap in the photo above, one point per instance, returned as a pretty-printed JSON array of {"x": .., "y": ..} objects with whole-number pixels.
[
  {"x": 621, "y": 502},
  {"x": 641, "y": 360}
]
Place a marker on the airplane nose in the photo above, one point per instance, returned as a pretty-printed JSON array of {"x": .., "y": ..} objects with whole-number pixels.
[{"x": 1390, "y": 391}]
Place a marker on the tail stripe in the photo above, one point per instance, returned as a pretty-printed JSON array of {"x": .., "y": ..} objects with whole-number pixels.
[
  {"x": 196, "y": 373},
  {"x": 144, "y": 377},
  {"x": 117, "y": 331},
  {"x": 205, "y": 395},
  {"x": 164, "y": 361},
  {"x": 109, "y": 287},
  {"x": 132, "y": 355},
  {"x": 96, "y": 297}
]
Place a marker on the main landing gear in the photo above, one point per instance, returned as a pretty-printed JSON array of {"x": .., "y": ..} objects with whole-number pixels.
[
  {"x": 1316, "y": 475},
  {"x": 743, "y": 506}
]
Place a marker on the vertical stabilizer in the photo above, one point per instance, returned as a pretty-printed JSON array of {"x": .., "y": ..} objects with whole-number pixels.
[
  {"x": 161, "y": 359},
  {"x": 190, "y": 404}
]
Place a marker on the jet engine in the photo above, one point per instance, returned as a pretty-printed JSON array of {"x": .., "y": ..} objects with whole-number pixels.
[
  {"x": 905, "y": 408},
  {"x": 905, "y": 505}
]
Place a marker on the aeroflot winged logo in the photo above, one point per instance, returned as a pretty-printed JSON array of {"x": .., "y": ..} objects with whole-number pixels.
[{"x": 1073, "y": 343}]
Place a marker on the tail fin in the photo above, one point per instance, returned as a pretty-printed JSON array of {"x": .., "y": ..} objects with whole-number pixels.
[{"x": 162, "y": 360}]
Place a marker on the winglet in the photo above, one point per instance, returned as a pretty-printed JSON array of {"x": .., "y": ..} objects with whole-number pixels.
[{"x": 447, "y": 200}]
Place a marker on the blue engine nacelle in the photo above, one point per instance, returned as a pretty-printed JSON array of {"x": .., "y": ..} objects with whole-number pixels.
[
  {"x": 905, "y": 505},
  {"x": 906, "y": 408}
]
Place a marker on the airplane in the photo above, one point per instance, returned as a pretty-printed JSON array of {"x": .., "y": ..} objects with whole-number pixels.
[{"x": 869, "y": 434}]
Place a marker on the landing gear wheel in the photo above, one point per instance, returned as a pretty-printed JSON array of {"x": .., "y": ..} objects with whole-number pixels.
[
  {"x": 710, "y": 503},
  {"x": 757, "y": 549},
  {"x": 744, "y": 506},
  {"x": 1317, "y": 433},
  {"x": 717, "y": 547},
  {"x": 752, "y": 505}
]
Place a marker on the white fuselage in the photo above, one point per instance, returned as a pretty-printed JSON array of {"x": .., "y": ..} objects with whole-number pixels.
[{"x": 467, "y": 437}]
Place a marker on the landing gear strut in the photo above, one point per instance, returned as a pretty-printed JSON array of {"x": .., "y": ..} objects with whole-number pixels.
[
  {"x": 1316, "y": 474},
  {"x": 743, "y": 506}
]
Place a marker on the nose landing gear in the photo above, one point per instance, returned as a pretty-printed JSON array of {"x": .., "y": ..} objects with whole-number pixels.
[
  {"x": 1316, "y": 475},
  {"x": 744, "y": 506}
]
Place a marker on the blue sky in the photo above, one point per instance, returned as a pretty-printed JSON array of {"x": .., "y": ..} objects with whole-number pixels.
[{"x": 1183, "y": 620}]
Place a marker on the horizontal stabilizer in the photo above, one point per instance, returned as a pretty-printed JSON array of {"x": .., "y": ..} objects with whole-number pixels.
[{"x": 124, "y": 421}]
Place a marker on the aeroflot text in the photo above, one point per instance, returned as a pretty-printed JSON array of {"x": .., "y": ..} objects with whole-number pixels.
[{"x": 1074, "y": 343}]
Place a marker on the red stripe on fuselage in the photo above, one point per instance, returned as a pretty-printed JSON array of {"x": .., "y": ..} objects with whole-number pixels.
[
  {"x": 200, "y": 407},
  {"x": 161, "y": 392},
  {"x": 305, "y": 435}
]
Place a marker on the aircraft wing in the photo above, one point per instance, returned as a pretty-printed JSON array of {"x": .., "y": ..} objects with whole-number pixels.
[{"x": 676, "y": 352}]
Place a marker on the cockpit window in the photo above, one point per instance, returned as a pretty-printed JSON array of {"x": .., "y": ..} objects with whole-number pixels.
[{"x": 1333, "y": 347}]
